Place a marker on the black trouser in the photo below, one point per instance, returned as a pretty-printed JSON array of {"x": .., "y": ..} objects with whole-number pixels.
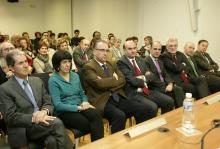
[
  {"x": 118, "y": 112},
  {"x": 87, "y": 121}
]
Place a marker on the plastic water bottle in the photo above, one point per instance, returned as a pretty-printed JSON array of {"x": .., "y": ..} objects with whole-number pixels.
[{"x": 188, "y": 121}]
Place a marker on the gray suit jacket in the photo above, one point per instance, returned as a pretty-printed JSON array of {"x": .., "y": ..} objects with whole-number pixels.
[{"x": 18, "y": 109}]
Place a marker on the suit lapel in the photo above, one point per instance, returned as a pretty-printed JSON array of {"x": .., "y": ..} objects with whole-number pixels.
[
  {"x": 17, "y": 87},
  {"x": 99, "y": 69},
  {"x": 128, "y": 63},
  {"x": 153, "y": 67}
]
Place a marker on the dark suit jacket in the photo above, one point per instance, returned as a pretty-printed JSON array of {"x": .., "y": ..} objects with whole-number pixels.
[
  {"x": 190, "y": 69},
  {"x": 173, "y": 69},
  {"x": 158, "y": 85},
  {"x": 133, "y": 83},
  {"x": 203, "y": 65},
  {"x": 2, "y": 76},
  {"x": 99, "y": 90},
  {"x": 19, "y": 109},
  {"x": 78, "y": 57}
]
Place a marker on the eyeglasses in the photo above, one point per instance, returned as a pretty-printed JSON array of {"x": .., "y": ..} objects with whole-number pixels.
[
  {"x": 103, "y": 50},
  {"x": 156, "y": 49}
]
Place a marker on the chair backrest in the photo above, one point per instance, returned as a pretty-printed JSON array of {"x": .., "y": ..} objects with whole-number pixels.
[{"x": 44, "y": 77}]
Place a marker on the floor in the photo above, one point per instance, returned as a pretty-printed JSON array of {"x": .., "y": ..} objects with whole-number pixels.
[{"x": 82, "y": 141}]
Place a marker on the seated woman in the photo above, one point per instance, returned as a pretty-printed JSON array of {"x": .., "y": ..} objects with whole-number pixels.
[
  {"x": 70, "y": 102},
  {"x": 41, "y": 63}
]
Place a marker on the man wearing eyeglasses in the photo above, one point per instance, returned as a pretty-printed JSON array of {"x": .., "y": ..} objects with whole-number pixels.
[
  {"x": 138, "y": 78},
  {"x": 175, "y": 64},
  {"x": 104, "y": 84},
  {"x": 163, "y": 82}
]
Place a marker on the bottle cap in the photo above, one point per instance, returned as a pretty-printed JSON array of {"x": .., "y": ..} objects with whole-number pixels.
[{"x": 188, "y": 95}]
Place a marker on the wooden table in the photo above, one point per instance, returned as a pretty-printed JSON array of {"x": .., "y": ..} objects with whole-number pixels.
[{"x": 169, "y": 140}]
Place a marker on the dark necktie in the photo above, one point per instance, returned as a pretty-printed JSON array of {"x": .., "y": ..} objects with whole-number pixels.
[
  {"x": 204, "y": 55},
  {"x": 138, "y": 73},
  {"x": 84, "y": 57},
  {"x": 30, "y": 96},
  {"x": 183, "y": 75},
  {"x": 193, "y": 66},
  {"x": 114, "y": 94},
  {"x": 159, "y": 70}
]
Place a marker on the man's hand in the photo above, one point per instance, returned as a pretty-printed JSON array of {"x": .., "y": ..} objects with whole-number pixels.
[
  {"x": 141, "y": 77},
  {"x": 169, "y": 87},
  {"x": 115, "y": 75},
  {"x": 41, "y": 116},
  {"x": 147, "y": 73}
]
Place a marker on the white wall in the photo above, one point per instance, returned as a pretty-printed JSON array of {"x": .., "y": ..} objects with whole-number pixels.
[
  {"x": 159, "y": 18},
  {"x": 57, "y": 16},
  {"x": 35, "y": 15},
  {"x": 27, "y": 15},
  {"x": 106, "y": 16}
]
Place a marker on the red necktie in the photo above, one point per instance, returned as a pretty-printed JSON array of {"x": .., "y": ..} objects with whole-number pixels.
[
  {"x": 138, "y": 73},
  {"x": 84, "y": 57},
  {"x": 183, "y": 75}
]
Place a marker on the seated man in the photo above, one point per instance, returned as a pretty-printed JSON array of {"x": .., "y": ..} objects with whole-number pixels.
[
  {"x": 205, "y": 63},
  {"x": 175, "y": 64},
  {"x": 27, "y": 108},
  {"x": 212, "y": 80},
  {"x": 104, "y": 85},
  {"x": 163, "y": 82},
  {"x": 82, "y": 54},
  {"x": 138, "y": 76}
]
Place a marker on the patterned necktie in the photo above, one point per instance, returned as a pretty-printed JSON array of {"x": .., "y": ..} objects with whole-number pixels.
[
  {"x": 193, "y": 66},
  {"x": 114, "y": 94},
  {"x": 30, "y": 96},
  {"x": 183, "y": 75},
  {"x": 138, "y": 73},
  {"x": 159, "y": 70},
  {"x": 85, "y": 57}
]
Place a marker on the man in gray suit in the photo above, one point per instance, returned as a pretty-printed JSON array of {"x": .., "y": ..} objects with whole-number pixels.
[{"x": 27, "y": 108}]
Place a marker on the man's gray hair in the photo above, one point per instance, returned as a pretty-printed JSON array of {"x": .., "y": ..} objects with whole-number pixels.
[{"x": 10, "y": 56}]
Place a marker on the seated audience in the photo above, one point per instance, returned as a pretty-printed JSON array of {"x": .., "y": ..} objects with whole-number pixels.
[
  {"x": 70, "y": 102},
  {"x": 5, "y": 47},
  {"x": 137, "y": 77},
  {"x": 62, "y": 44},
  {"x": 27, "y": 108},
  {"x": 75, "y": 40},
  {"x": 82, "y": 54},
  {"x": 145, "y": 49},
  {"x": 41, "y": 63},
  {"x": 163, "y": 82},
  {"x": 175, "y": 64},
  {"x": 212, "y": 80},
  {"x": 104, "y": 84},
  {"x": 205, "y": 63},
  {"x": 115, "y": 52}
]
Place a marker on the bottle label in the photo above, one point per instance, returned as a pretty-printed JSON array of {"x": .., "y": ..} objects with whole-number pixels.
[{"x": 188, "y": 106}]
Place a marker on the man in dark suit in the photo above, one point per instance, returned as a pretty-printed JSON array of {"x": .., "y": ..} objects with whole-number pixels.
[
  {"x": 205, "y": 63},
  {"x": 104, "y": 85},
  {"x": 27, "y": 108},
  {"x": 82, "y": 54},
  {"x": 163, "y": 82},
  {"x": 212, "y": 80},
  {"x": 175, "y": 63},
  {"x": 138, "y": 77}
]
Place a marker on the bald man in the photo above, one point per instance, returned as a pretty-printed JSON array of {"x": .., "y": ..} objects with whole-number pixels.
[
  {"x": 164, "y": 83},
  {"x": 175, "y": 63},
  {"x": 138, "y": 77},
  {"x": 82, "y": 54},
  {"x": 212, "y": 80}
]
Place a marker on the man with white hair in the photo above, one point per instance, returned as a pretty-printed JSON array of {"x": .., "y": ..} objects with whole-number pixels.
[
  {"x": 175, "y": 63},
  {"x": 212, "y": 80}
]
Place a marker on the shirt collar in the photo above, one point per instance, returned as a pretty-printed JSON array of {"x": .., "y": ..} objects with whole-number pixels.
[
  {"x": 100, "y": 63},
  {"x": 20, "y": 80}
]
